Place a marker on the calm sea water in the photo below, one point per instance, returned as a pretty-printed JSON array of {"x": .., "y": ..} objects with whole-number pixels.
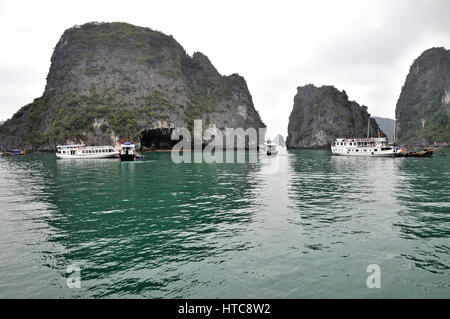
[{"x": 304, "y": 224}]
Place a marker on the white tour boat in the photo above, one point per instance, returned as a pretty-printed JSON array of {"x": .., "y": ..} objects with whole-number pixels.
[
  {"x": 78, "y": 151},
  {"x": 270, "y": 148},
  {"x": 127, "y": 152},
  {"x": 362, "y": 147}
]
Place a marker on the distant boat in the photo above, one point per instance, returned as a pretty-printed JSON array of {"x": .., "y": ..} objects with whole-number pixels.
[
  {"x": 17, "y": 152},
  {"x": 12, "y": 152},
  {"x": 270, "y": 148},
  {"x": 81, "y": 151}
]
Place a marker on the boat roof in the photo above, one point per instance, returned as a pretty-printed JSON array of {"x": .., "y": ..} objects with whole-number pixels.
[
  {"x": 71, "y": 145},
  {"x": 83, "y": 146},
  {"x": 362, "y": 139}
]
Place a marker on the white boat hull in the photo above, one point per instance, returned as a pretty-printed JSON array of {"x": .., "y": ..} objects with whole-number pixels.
[
  {"x": 87, "y": 156},
  {"x": 389, "y": 153}
]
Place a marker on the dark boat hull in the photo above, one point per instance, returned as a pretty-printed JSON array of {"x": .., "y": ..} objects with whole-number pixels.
[
  {"x": 126, "y": 157},
  {"x": 415, "y": 154},
  {"x": 421, "y": 154}
]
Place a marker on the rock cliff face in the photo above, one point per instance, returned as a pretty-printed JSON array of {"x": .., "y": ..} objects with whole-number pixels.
[
  {"x": 323, "y": 114},
  {"x": 114, "y": 81},
  {"x": 387, "y": 126},
  {"x": 423, "y": 109}
]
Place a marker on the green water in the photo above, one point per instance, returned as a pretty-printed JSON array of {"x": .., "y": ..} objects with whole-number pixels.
[{"x": 304, "y": 224}]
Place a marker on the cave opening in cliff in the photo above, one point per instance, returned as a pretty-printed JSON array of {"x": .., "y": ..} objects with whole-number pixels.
[{"x": 159, "y": 138}]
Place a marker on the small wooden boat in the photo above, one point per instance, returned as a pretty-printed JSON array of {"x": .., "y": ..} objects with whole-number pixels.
[
  {"x": 13, "y": 152},
  {"x": 424, "y": 153},
  {"x": 18, "y": 152},
  {"x": 140, "y": 157}
]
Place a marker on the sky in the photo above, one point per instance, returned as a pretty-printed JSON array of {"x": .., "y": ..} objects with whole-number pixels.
[{"x": 364, "y": 47}]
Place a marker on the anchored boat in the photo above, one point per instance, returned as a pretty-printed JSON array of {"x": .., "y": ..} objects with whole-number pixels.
[
  {"x": 375, "y": 147},
  {"x": 369, "y": 146},
  {"x": 12, "y": 152},
  {"x": 127, "y": 152},
  {"x": 81, "y": 151},
  {"x": 424, "y": 153}
]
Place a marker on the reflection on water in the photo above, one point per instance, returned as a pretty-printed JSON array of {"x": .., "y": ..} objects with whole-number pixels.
[
  {"x": 424, "y": 192},
  {"x": 301, "y": 224},
  {"x": 132, "y": 226},
  {"x": 25, "y": 265}
]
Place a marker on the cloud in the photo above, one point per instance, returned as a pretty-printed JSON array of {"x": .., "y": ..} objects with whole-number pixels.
[
  {"x": 370, "y": 56},
  {"x": 19, "y": 84}
]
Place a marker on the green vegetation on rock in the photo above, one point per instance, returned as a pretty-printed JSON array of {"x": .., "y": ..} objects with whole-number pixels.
[
  {"x": 323, "y": 114},
  {"x": 423, "y": 109}
]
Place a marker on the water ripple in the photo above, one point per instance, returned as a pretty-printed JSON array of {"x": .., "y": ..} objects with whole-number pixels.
[{"x": 303, "y": 224}]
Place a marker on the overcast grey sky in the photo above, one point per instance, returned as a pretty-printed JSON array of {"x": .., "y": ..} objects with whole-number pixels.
[{"x": 362, "y": 47}]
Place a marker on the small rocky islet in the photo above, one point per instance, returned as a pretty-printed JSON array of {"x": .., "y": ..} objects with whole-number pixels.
[
  {"x": 114, "y": 81},
  {"x": 320, "y": 115}
]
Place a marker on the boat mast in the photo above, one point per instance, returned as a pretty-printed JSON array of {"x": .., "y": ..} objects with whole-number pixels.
[
  {"x": 395, "y": 131},
  {"x": 368, "y": 126}
]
